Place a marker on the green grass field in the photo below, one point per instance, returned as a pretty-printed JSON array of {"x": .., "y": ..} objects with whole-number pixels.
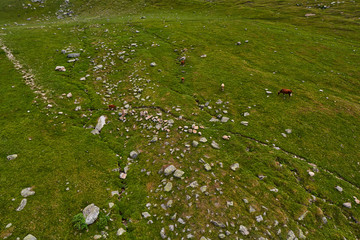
[{"x": 316, "y": 56}]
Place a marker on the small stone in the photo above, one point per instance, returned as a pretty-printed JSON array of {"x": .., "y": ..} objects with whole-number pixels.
[
  {"x": 301, "y": 234},
  {"x": 221, "y": 236},
  {"x": 180, "y": 220},
  {"x": 134, "y": 154},
  {"x": 73, "y": 55},
  {"x": 214, "y": 120},
  {"x": 340, "y": 189},
  {"x": 9, "y": 225},
  {"x": 169, "y": 170},
  {"x": 123, "y": 175},
  {"x": 30, "y": 237},
  {"x": 111, "y": 205},
  {"x": 162, "y": 233},
  {"x": 169, "y": 203},
  {"x": 259, "y": 218},
  {"x": 215, "y": 145},
  {"x": 194, "y": 184},
  {"x": 97, "y": 237},
  {"x": 12, "y": 157},
  {"x": 244, "y": 231},
  {"x": 203, "y": 140},
  {"x": 91, "y": 213},
  {"x": 27, "y": 192},
  {"x": 178, "y": 173},
  {"x": 291, "y": 235},
  {"x": 168, "y": 187},
  {"x": 22, "y": 205},
  {"x": 153, "y": 64},
  {"x": 347, "y": 204},
  {"x": 251, "y": 209},
  {"x": 207, "y": 167},
  {"x": 234, "y": 166},
  {"x": 224, "y": 119},
  {"x": 283, "y": 134},
  {"x": 225, "y": 137},
  {"x": 203, "y": 189},
  {"x": 120, "y": 232},
  {"x": 203, "y": 238},
  {"x": 218, "y": 224},
  {"x": 311, "y": 174},
  {"x": 245, "y": 123},
  {"x": 69, "y": 95},
  {"x": 60, "y": 68},
  {"x": 195, "y": 143},
  {"x": 288, "y": 131},
  {"x": 145, "y": 214}
]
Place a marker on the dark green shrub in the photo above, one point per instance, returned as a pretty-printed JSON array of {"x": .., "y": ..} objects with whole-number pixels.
[
  {"x": 78, "y": 222},
  {"x": 102, "y": 221}
]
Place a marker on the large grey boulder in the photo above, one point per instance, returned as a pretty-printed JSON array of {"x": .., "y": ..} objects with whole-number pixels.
[
  {"x": 30, "y": 237},
  {"x": 12, "y": 157},
  {"x": 99, "y": 125},
  {"x": 91, "y": 212}
]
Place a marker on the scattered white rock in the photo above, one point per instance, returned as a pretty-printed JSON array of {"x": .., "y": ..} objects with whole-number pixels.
[
  {"x": 311, "y": 174},
  {"x": 153, "y": 64},
  {"x": 9, "y": 225},
  {"x": 111, "y": 204},
  {"x": 69, "y": 95}
]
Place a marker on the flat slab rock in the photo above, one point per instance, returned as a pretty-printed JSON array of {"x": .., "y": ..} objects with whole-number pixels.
[
  {"x": 215, "y": 145},
  {"x": 22, "y": 205},
  {"x": 91, "y": 212},
  {"x": 169, "y": 170},
  {"x": 27, "y": 192}
]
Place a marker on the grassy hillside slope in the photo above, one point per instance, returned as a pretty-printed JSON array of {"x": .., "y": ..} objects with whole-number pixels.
[{"x": 286, "y": 177}]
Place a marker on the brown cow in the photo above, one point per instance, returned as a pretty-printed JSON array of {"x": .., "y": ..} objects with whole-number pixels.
[
  {"x": 285, "y": 91},
  {"x": 112, "y": 107}
]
